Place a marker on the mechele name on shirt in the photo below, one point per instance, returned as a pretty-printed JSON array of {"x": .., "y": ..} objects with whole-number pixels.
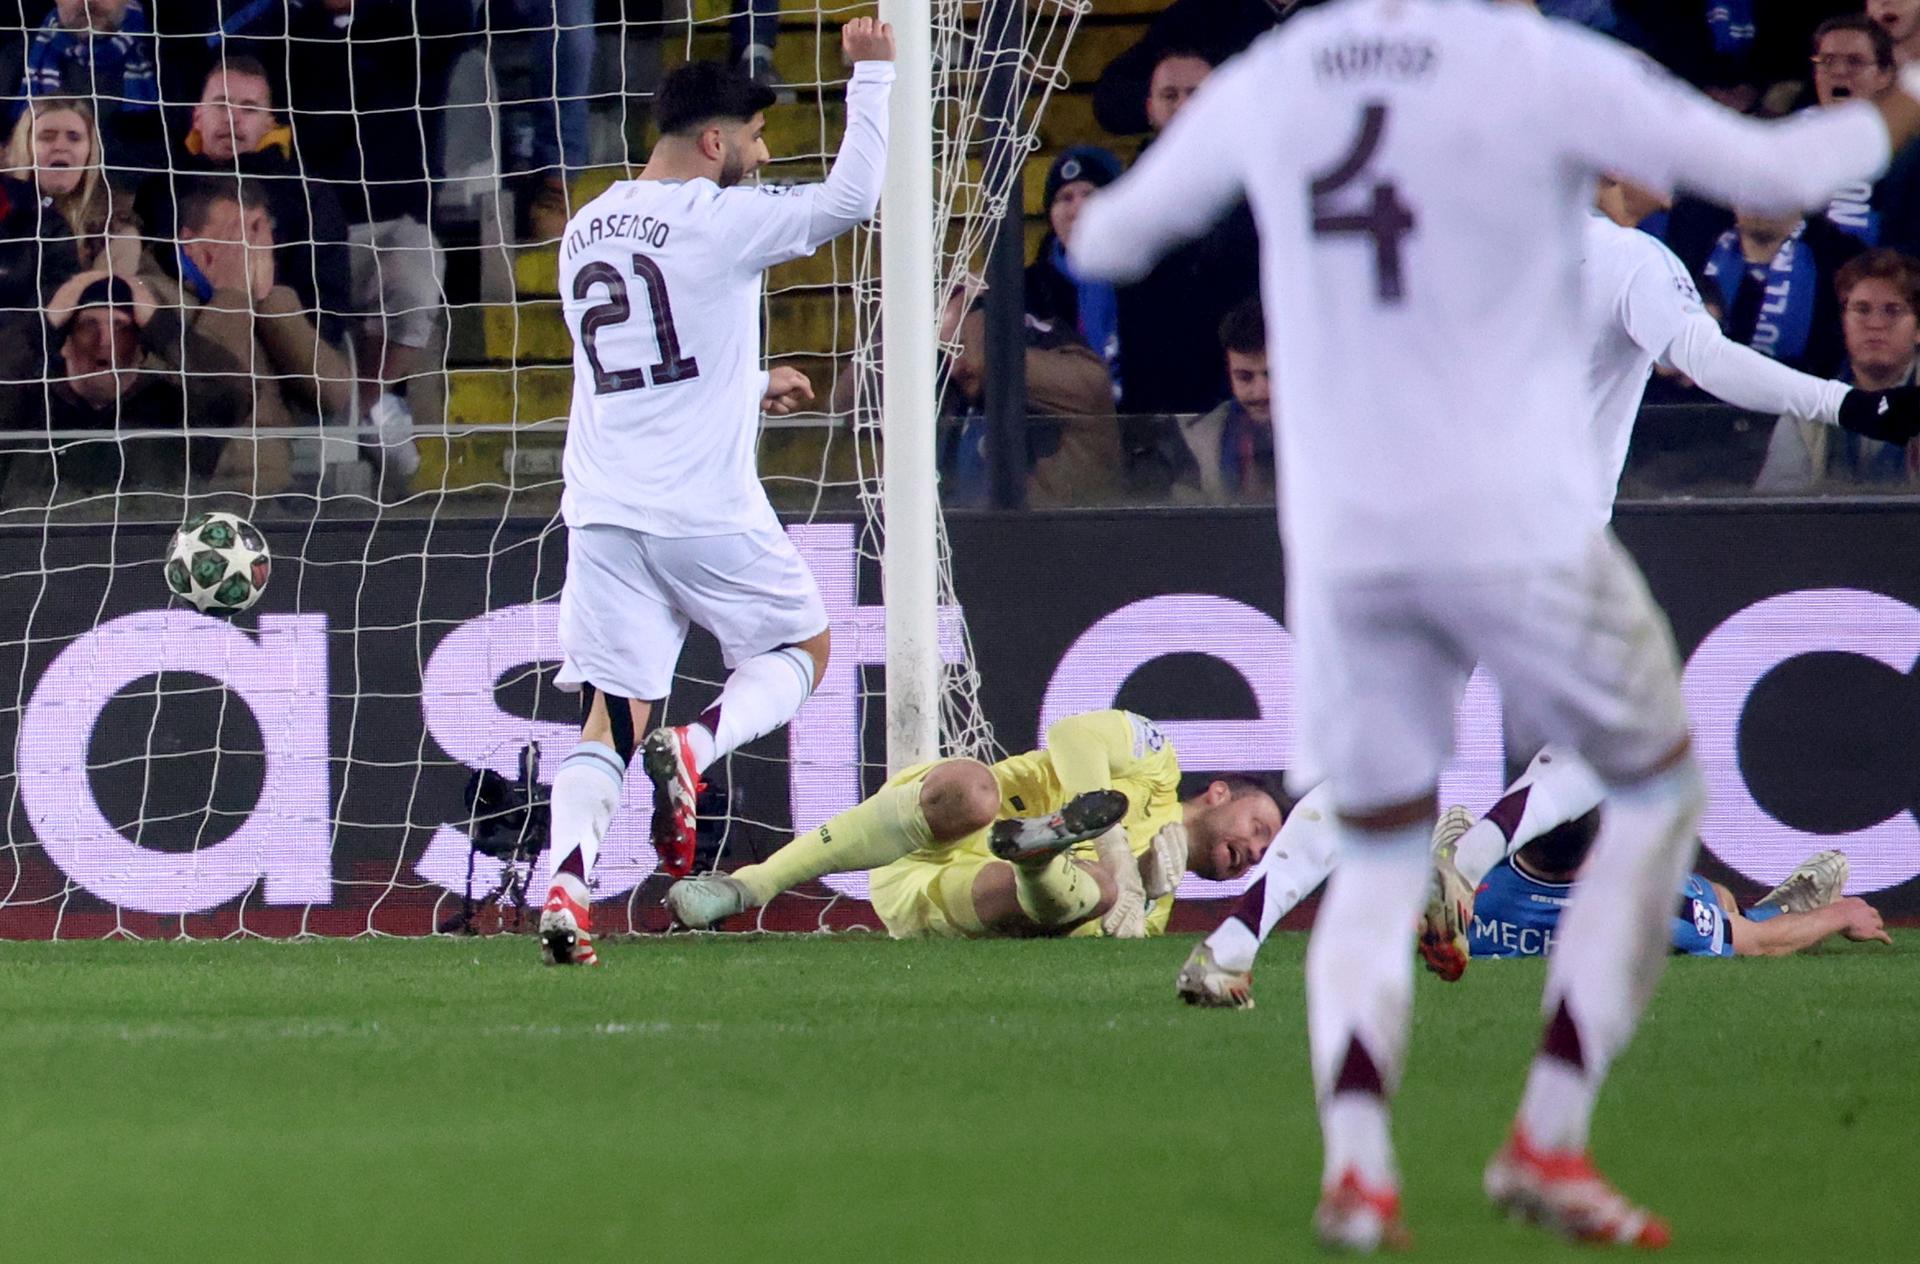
[{"x": 1505, "y": 939}]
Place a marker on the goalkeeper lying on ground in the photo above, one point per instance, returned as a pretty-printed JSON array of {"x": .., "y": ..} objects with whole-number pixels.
[{"x": 1087, "y": 836}]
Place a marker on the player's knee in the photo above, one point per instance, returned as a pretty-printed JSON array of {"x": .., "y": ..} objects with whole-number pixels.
[
  {"x": 818, "y": 648},
  {"x": 959, "y": 798},
  {"x": 623, "y": 726}
]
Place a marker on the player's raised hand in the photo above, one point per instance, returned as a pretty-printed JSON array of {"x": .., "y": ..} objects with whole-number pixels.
[
  {"x": 787, "y": 389},
  {"x": 867, "y": 39}
]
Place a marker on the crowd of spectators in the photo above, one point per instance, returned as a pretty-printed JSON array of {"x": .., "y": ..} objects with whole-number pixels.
[
  {"x": 215, "y": 214},
  {"x": 1831, "y": 293},
  {"x": 249, "y": 198},
  {"x": 239, "y": 201}
]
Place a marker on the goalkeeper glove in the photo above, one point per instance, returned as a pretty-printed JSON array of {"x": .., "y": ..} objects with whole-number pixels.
[
  {"x": 1167, "y": 860},
  {"x": 1127, "y": 919},
  {"x": 1890, "y": 416}
]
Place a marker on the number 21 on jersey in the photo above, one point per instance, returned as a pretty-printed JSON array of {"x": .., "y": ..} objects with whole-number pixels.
[{"x": 674, "y": 366}]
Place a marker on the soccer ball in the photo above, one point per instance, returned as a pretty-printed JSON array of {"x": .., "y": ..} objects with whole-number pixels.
[{"x": 218, "y": 562}]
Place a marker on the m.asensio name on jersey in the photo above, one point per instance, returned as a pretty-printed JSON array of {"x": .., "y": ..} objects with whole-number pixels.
[{"x": 646, "y": 229}]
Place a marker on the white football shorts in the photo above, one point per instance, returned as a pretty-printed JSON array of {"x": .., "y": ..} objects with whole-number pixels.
[
  {"x": 629, "y": 598},
  {"x": 1582, "y": 654}
]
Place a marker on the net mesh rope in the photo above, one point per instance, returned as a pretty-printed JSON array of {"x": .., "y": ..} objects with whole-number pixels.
[{"x": 299, "y": 769}]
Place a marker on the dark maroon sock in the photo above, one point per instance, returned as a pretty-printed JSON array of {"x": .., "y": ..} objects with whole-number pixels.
[
  {"x": 1358, "y": 1074},
  {"x": 1251, "y": 905},
  {"x": 1561, "y": 1040},
  {"x": 1506, "y": 814}
]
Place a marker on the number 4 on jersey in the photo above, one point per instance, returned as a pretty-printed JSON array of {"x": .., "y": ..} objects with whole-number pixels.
[
  {"x": 1385, "y": 218},
  {"x": 673, "y": 366}
]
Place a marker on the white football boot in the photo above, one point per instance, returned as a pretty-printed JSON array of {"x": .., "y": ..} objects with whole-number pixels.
[{"x": 1449, "y": 912}]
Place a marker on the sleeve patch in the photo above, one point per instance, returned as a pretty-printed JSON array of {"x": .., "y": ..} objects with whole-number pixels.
[{"x": 1147, "y": 737}]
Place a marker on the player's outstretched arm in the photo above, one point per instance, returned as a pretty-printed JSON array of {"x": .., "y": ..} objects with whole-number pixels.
[
  {"x": 1739, "y": 375},
  {"x": 1791, "y": 932},
  {"x": 772, "y": 224},
  {"x": 1095, "y": 749},
  {"x": 1620, "y": 112},
  {"x": 851, "y": 192},
  {"x": 1186, "y": 180}
]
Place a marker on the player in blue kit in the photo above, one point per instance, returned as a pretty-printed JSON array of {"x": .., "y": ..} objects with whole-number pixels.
[
  {"x": 1518, "y": 904},
  {"x": 1516, "y": 915},
  {"x": 1511, "y": 874}
]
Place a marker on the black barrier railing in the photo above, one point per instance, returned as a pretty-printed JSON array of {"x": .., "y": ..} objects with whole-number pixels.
[{"x": 1679, "y": 452}]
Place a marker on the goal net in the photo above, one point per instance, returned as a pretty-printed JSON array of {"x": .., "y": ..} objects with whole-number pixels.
[{"x": 298, "y": 262}]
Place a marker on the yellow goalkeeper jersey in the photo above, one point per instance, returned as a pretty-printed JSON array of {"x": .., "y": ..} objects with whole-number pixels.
[{"x": 1098, "y": 750}]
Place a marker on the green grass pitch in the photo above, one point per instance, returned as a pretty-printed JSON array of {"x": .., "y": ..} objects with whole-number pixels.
[{"x": 846, "y": 1098}]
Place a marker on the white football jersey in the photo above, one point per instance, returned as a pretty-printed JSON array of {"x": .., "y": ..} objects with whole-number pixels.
[
  {"x": 1638, "y": 300},
  {"x": 1421, "y": 173},
  {"x": 660, "y": 286},
  {"x": 1642, "y": 310}
]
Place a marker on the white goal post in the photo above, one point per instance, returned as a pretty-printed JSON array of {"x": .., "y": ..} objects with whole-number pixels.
[{"x": 909, "y": 260}]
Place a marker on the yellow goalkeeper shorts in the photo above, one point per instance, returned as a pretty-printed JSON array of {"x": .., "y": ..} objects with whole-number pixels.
[{"x": 908, "y": 894}]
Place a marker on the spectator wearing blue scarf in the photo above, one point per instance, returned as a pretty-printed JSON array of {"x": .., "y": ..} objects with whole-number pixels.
[
  {"x": 1772, "y": 279},
  {"x": 102, "y": 51},
  {"x": 1880, "y": 297},
  {"x": 1054, "y": 294}
]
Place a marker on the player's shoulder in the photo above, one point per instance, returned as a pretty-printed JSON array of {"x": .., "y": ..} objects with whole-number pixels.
[
  {"x": 1500, "y": 877},
  {"x": 1637, "y": 259},
  {"x": 1610, "y": 243},
  {"x": 1506, "y": 881},
  {"x": 755, "y": 197},
  {"x": 624, "y": 197},
  {"x": 1149, "y": 739}
]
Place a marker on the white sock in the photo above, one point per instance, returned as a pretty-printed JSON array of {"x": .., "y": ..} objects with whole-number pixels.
[
  {"x": 586, "y": 792},
  {"x": 1299, "y": 860},
  {"x": 1359, "y": 1134},
  {"x": 1480, "y": 849},
  {"x": 1556, "y": 788},
  {"x": 1360, "y": 989},
  {"x": 762, "y": 694},
  {"x": 1234, "y": 945},
  {"x": 700, "y": 742},
  {"x": 1611, "y": 948},
  {"x": 1557, "y": 1105}
]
